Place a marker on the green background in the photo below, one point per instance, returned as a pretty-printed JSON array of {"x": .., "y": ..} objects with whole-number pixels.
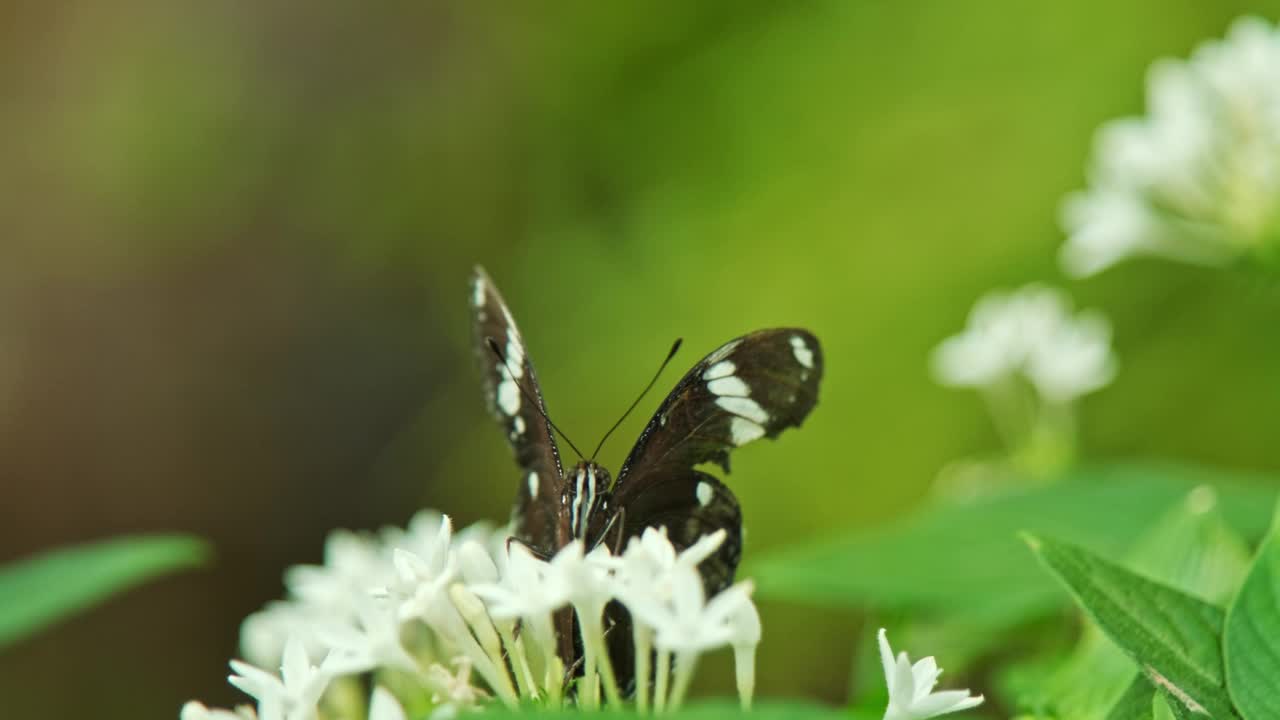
[{"x": 235, "y": 239}]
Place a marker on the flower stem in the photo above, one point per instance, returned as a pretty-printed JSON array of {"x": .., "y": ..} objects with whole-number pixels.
[
  {"x": 555, "y": 681},
  {"x": 515, "y": 649},
  {"x": 596, "y": 659},
  {"x": 744, "y": 665},
  {"x": 608, "y": 678},
  {"x": 685, "y": 663},
  {"x": 644, "y": 648},
  {"x": 588, "y": 690},
  {"x": 474, "y": 613},
  {"x": 660, "y": 685},
  {"x": 448, "y": 621}
]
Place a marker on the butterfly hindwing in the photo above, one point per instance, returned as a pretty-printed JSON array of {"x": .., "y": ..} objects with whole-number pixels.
[
  {"x": 536, "y": 517},
  {"x": 751, "y": 387},
  {"x": 689, "y": 505}
]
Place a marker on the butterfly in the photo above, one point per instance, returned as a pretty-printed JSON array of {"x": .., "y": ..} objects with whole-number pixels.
[{"x": 751, "y": 387}]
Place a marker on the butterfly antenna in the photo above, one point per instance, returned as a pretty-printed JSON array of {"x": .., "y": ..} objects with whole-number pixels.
[
  {"x": 675, "y": 347},
  {"x": 497, "y": 351}
]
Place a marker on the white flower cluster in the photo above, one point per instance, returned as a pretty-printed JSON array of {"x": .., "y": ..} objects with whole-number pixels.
[
  {"x": 1198, "y": 177},
  {"x": 1029, "y": 333},
  {"x": 407, "y": 605},
  {"x": 911, "y": 695}
]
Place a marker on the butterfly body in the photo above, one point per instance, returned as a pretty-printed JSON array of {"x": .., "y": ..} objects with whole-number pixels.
[{"x": 752, "y": 387}]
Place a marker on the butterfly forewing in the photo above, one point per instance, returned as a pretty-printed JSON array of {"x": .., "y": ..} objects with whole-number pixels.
[
  {"x": 752, "y": 387},
  {"x": 536, "y": 516}
]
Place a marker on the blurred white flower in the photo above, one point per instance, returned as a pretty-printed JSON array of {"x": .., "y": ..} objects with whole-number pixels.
[
  {"x": 405, "y": 605},
  {"x": 384, "y": 706},
  {"x": 1197, "y": 178},
  {"x": 911, "y": 695},
  {"x": 372, "y": 641},
  {"x": 531, "y": 587},
  {"x": 291, "y": 696},
  {"x": 1029, "y": 333},
  {"x": 455, "y": 691},
  {"x": 689, "y": 623},
  {"x": 746, "y": 632}
]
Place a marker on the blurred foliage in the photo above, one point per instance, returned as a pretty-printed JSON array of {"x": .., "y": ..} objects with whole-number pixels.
[
  {"x": 235, "y": 239},
  {"x": 41, "y": 590},
  {"x": 910, "y": 565},
  {"x": 1251, "y": 642}
]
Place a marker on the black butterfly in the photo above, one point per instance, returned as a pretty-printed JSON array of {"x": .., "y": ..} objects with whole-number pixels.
[{"x": 751, "y": 387}]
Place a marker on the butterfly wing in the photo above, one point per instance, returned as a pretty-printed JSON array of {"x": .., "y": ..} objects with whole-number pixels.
[
  {"x": 537, "y": 515},
  {"x": 689, "y": 505},
  {"x": 752, "y": 387}
]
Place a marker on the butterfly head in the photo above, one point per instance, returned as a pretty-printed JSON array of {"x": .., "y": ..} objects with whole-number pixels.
[{"x": 588, "y": 495}]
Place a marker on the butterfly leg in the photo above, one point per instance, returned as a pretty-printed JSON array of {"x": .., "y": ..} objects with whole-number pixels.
[{"x": 532, "y": 550}]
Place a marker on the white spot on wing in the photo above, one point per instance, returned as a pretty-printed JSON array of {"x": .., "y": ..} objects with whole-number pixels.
[
  {"x": 724, "y": 368},
  {"x": 705, "y": 493},
  {"x": 478, "y": 291},
  {"x": 515, "y": 354},
  {"x": 731, "y": 385},
  {"x": 533, "y": 484},
  {"x": 801, "y": 350},
  {"x": 517, "y": 425},
  {"x": 723, "y": 351},
  {"x": 508, "y": 396},
  {"x": 511, "y": 371},
  {"x": 743, "y": 431},
  {"x": 744, "y": 407}
]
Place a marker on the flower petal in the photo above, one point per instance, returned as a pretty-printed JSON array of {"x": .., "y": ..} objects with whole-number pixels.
[
  {"x": 886, "y": 660},
  {"x": 945, "y": 702},
  {"x": 384, "y": 706},
  {"x": 925, "y": 672}
]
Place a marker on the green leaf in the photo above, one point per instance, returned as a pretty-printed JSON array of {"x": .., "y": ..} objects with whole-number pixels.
[
  {"x": 908, "y": 565},
  {"x": 706, "y": 710},
  {"x": 1252, "y": 641},
  {"x": 1135, "y": 703},
  {"x": 1173, "y": 637},
  {"x": 1191, "y": 549},
  {"x": 43, "y": 589}
]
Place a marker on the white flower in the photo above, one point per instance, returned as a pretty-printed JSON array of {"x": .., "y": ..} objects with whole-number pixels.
[
  {"x": 1197, "y": 178},
  {"x": 351, "y": 562},
  {"x": 588, "y": 577},
  {"x": 1072, "y": 358},
  {"x": 530, "y": 588},
  {"x": 405, "y": 604},
  {"x": 1029, "y": 333},
  {"x": 746, "y": 632},
  {"x": 454, "y": 690},
  {"x": 372, "y": 641},
  {"x": 384, "y": 706},
  {"x": 422, "y": 584},
  {"x": 644, "y": 572},
  {"x": 476, "y": 563},
  {"x": 911, "y": 695},
  {"x": 293, "y": 695},
  {"x": 689, "y": 622},
  {"x": 264, "y": 633}
]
